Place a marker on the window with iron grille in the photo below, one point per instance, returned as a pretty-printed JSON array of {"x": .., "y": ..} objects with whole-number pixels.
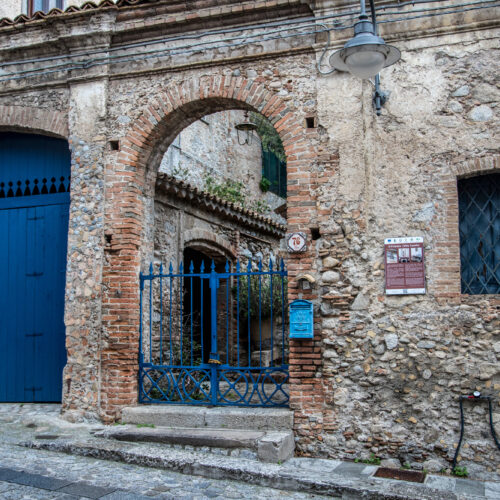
[{"x": 479, "y": 224}]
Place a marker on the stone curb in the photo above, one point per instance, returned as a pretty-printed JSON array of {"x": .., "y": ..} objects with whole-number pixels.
[{"x": 253, "y": 472}]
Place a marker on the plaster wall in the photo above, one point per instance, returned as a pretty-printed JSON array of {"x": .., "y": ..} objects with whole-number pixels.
[{"x": 10, "y": 8}]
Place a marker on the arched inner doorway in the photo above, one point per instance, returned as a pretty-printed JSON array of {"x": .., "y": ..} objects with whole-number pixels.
[{"x": 34, "y": 211}]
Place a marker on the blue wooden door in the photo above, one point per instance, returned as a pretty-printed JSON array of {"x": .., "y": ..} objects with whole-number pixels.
[{"x": 34, "y": 211}]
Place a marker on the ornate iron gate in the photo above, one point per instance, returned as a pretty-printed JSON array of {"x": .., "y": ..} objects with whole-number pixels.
[{"x": 214, "y": 337}]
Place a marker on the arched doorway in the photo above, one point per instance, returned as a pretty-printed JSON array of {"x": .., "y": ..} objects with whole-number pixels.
[
  {"x": 212, "y": 316},
  {"x": 34, "y": 211}
]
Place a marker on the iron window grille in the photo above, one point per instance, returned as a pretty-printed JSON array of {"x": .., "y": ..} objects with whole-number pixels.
[{"x": 479, "y": 226}]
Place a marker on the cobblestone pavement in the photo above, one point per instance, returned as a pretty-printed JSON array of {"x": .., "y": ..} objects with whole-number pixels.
[{"x": 39, "y": 474}]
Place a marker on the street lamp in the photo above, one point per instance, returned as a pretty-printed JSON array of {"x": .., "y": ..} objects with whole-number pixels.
[{"x": 366, "y": 53}]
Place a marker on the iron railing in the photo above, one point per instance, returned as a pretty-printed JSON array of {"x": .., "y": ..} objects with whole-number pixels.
[{"x": 214, "y": 336}]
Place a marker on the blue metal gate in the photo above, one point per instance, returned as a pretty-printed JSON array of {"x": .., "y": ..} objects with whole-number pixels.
[
  {"x": 34, "y": 210},
  {"x": 214, "y": 337}
]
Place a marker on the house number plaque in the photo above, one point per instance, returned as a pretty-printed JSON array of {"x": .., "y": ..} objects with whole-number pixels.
[{"x": 296, "y": 242}]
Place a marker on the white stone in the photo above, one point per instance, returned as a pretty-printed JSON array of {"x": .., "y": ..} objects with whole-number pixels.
[
  {"x": 426, "y": 344},
  {"x": 485, "y": 92},
  {"x": 392, "y": 463},
  {"x": 433, "y": 465},
  {"x": 360, "y": 302},
  {"x": 330, "y": 277},
  {"x": 455, "y": 106},
  {"x": 425, "y": 214},
  {"x": 340, "y": 396},
  {"x": 481, "y": 113},
  {"x": 330, "y": 262},
  {"x": 461, "y": 91},
  {"x": 391, "y": 341}
]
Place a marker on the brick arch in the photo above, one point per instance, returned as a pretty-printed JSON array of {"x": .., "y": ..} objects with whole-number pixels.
[
  {"x": 34, "y": 120},
  {"x": 448, "y": 270},
  {"x": 200, "y": 239},
  {"x": 175, "y": 109},
  {"x": 130, "y": 189}
]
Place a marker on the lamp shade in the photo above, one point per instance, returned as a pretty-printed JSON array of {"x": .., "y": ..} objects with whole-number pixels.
[{"x": 365, "y": 54}]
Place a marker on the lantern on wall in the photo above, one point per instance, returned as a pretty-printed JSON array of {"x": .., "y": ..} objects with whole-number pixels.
[{"x": 245, "y": 130}]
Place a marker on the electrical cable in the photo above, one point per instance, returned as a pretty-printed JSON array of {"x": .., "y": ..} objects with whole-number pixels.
[
  {"x": 320, "y": 60},
  {"x": 352, "y": 14},
  {"x": 196, "y": 47},
  {"x": 473, "y": 397}
]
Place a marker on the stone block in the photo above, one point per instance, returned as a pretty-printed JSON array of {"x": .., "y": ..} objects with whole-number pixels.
[{"x": 276, "y": 447}]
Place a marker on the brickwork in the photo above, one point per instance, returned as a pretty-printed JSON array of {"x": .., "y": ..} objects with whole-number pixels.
[
  {"x": 448, "y": 268},
  {"x": 35, "y": 120}
]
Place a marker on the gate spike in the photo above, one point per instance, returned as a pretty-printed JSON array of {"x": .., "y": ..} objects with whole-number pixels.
[
  {"x": 161, "y": 267},
  {"x": 212, "y": 266},
  {"x": 270, "y": 264},
  {"x": 171, "y": 268},
  {"x": 282, "y": 264},
  {"x": 260, "y": 265},
  {"x": 150, "y": 268},
  {"x": 238, "y": 266},
  {"x": 181, "y": 268},
  {"x": 202, "y": 267},
  {"x": 249, "y": 267},
  {"x": 191, "y": 267},
  {"x": 227, "y": 266}
]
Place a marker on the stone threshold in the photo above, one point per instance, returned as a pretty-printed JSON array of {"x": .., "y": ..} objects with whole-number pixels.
[{"x": 320, "y": 476}]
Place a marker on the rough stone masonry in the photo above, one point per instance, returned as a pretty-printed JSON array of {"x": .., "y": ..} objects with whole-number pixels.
[{"x": 382, "y": 374}]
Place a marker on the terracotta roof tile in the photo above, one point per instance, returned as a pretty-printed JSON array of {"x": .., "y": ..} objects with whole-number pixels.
[
  {"x": 183, "y": 190},
  {"x": 39, "y": 15}
]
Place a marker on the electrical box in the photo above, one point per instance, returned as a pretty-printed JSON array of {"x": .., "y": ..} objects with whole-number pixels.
[{"x": 301, "y": 320}]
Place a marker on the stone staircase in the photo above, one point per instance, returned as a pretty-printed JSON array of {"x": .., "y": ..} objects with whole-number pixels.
[{"x": 261, "y": 433}]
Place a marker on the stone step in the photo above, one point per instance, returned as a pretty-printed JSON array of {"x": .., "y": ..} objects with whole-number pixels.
[
  {"x": 258, "y": 419},
  {"x": 270, "y": 446}
]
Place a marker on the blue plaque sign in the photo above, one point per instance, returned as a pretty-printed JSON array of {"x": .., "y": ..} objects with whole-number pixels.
[{"x": 301, "y": 320}]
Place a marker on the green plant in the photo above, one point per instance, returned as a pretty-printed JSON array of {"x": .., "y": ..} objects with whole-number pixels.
[
  {"x": 261, "y": 207},
  {"x": 140, "y": 426},
  {"x": 270, "y": 139},
  {"x": 406, "y": 466},
  {"x": 249, "y": 288},
  {"x": 180, "y": 172},
  {"x": 119, "y": 423},
  {"x": 228, "y": 190},
  {"x": 460, "y": 471},
  {"x": 264, "y": 184},
  {"x": 373, "y": 460}
]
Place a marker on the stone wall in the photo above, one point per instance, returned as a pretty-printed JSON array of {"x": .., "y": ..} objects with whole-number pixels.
[
  {"x": 382, "y": 374},
  {"x": 395, "y": 366}
]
